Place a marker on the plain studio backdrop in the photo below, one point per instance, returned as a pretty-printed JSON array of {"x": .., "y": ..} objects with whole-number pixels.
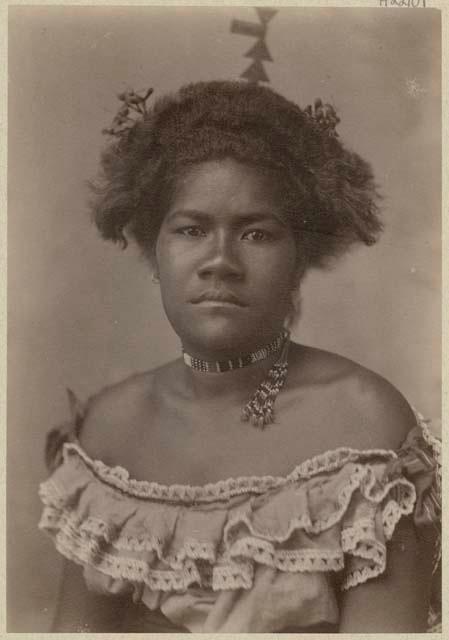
[{"x": 83, "y": 314}]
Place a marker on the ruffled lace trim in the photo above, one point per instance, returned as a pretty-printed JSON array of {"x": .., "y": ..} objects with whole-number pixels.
[
  {"x": 230, "y": 565},
  {"x": 435, "y": 445},
  {"x": 164, "y": 565},
  {"x": 119, "y": 477},
  {"x": 360, "y": 542}
]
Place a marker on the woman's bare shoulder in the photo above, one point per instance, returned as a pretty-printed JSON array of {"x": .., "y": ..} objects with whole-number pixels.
[
  {"x": 115, "y": 411},
  {"x": 367, "y": 409}
]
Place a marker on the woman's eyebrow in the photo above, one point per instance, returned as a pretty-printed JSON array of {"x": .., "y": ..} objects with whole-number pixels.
[
  {"x": 258, "y": 216},
  {"x": 238, "y": 219},
  {"x": 193, "y": 214}
]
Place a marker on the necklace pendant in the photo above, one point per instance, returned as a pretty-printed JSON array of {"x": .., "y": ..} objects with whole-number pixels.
[{"x": 259, "y": 410}]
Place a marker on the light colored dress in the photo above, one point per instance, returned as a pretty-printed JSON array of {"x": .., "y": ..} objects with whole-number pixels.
[{"x": 252, "y": 554}]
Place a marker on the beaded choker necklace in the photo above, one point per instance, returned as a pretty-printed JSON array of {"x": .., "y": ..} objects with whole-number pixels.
[
  {"x": 221, "y": 366},
  {"x": 260, "y": 408}
]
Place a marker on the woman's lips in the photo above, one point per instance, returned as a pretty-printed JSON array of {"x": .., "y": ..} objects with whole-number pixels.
[
  {"x": 218, "y": 299},
  {"x": 217, "y": 304}
]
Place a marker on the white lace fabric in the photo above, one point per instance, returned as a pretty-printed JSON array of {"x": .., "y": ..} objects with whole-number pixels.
[{"x": 333, "y": 513}]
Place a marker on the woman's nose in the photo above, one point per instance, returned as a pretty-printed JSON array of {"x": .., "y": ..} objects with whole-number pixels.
[{"x": 222, "y": 259}]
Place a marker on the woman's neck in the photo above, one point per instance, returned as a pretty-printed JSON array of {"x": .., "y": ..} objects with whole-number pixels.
[
  {"x": 224, "y": 362},
  {"x": 237, "y": 384}
]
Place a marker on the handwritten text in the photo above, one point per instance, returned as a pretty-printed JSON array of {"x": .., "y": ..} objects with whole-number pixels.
[{"x": 403, "y": 3}]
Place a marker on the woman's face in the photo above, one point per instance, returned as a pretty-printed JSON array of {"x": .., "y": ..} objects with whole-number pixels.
[{"x": 227, "y": 260}]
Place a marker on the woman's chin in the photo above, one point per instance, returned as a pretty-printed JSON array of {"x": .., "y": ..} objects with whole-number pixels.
[
  {"x": 219, "y": 345},
  {"x": 223, "y": 344},
  {"x": 220, "y": 336}
]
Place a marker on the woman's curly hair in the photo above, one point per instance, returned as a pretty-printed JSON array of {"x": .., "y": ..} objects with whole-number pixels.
[{"x": 328, "y": 192}]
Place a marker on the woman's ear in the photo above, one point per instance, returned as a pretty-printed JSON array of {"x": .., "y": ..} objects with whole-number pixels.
[
  {"x": 299, "y": 274},
  {"x": 155, "y": 276},
  {"x": 153, "y": 266},
  {"x": 295, "y": 308},
  {"x": 151, "y": 255},
  {"x": 295, "y": 297}
]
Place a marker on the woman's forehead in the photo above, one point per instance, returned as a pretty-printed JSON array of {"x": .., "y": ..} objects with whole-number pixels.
[{"x": 225, "y": 182}]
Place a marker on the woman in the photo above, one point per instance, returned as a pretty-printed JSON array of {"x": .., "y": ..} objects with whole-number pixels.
[{"x": 253, "y": 484}]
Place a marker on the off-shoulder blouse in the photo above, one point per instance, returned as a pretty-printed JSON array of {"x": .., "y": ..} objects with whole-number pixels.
[{"x": 248, "y": 554}]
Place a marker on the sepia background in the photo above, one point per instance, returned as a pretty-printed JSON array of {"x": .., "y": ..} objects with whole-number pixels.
[{"x": 83, "y": 314}]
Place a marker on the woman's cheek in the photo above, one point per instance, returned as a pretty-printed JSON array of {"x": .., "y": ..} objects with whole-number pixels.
[
  {"x": 279, "y": 269},
  {"x": 168, "y": 255}
]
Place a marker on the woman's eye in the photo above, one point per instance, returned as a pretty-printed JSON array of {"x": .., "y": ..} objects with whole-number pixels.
[
  {"x": 257, "y": 235},
  {"x": 192, "y": 231}
]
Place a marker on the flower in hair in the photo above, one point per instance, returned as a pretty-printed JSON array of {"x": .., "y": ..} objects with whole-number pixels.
[
  {"x": 132, "y": 103},
  {"x": 324, "y": 116}
]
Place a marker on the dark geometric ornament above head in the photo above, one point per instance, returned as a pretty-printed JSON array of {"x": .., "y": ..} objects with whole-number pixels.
[{"x": 259, "y": 51}]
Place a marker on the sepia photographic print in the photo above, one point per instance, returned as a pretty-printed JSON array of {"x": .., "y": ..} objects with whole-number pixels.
[{"x": 224, "y": 319}]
